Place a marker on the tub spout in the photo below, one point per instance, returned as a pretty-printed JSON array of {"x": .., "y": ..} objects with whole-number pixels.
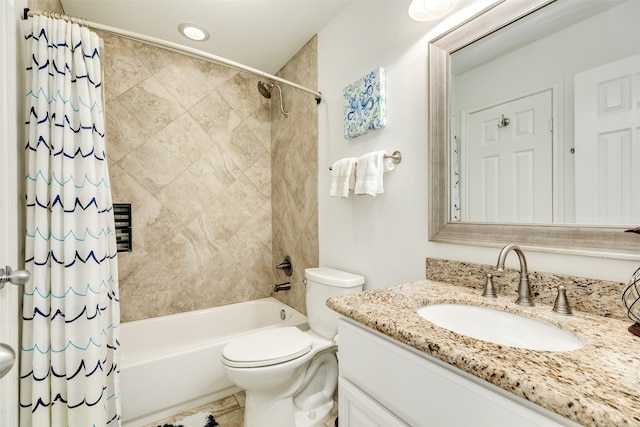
[{"x": 282, "y": 287}]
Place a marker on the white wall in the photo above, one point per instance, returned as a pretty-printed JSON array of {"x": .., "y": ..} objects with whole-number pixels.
[{"x": 385, "y": 238}]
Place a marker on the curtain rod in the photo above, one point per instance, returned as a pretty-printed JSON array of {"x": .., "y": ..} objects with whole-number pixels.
[{"x": 174, "y": 47}]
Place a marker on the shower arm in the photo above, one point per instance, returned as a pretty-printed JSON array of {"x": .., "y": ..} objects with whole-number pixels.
[
  {"x": 265, "y": 90},
  {"x": 286, "y": 114}
]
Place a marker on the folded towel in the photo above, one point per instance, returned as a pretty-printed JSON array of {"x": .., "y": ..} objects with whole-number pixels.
[
  {"x": 342, "y": 177},
  {"x": 369, "y": 173}
]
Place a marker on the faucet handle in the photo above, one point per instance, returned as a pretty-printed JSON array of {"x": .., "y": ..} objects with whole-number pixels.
[
  {"x": 561, "y": 305},
  {"x": 285, "y": 266},
  {"x": 489, "y": 291}
]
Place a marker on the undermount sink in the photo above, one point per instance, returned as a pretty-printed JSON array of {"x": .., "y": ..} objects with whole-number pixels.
[{"x": 500, "y": 327}]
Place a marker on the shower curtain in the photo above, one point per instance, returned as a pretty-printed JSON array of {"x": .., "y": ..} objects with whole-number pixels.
[{"x": 69, "y": 356}]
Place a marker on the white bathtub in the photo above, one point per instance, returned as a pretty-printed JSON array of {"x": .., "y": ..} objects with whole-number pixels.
[{"x": 172, "y": 363}]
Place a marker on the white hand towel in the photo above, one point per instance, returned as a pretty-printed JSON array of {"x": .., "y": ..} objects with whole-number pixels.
[
  {"x": 369, "y": 173},
  {"x": 342, "y": 177}
]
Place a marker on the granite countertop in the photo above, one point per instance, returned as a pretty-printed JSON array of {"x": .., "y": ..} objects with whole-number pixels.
[{"x": 597, "y": 385}]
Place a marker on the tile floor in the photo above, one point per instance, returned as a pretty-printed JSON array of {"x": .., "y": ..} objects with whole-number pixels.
[{"x": 229, "y": 412}]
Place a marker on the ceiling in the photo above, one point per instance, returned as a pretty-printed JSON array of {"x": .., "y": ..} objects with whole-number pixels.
[
  {"x": 263, "y": 34},
  {"x": 555, "y": 17}
]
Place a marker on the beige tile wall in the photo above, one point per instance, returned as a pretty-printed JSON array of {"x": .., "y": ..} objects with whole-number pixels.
[
  {"x": 221, "y": 184},
  {"x": 190, "y": 147},
  {"x": 294, "y": 169},
  {"x": 51, "y": 5}
]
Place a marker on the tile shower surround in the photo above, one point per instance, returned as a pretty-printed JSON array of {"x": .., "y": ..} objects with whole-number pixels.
[
  {"x": 294, "y": 172},
  {"x": 221, "y": 185}
]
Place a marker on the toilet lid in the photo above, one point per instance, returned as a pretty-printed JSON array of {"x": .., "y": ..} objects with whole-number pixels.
[{"x": 268, "y": 347}]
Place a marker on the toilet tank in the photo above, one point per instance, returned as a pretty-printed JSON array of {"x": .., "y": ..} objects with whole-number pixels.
[{"x": 322, "y": 284}]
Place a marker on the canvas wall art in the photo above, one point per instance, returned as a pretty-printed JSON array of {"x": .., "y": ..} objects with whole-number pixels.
[{"x": 364, "y": 104}]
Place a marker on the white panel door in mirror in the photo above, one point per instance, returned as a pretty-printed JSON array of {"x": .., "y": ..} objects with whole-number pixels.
[
  {"x": 508, "y": 148},
  {"x": 607, "y": 145}
]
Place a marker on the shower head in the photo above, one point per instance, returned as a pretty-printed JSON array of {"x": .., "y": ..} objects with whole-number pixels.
[{"x": 265, "y": 90}]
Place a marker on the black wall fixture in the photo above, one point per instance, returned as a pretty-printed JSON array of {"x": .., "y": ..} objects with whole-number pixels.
[{"x": 122, "y": 215}]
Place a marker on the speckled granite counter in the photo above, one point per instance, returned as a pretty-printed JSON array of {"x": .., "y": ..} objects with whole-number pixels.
[{"x": 598, "y": 385}]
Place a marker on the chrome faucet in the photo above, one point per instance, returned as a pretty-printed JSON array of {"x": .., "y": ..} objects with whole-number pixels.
[
  {"x": 524, "y": 288},
  {"x": 285, "y": 266},
  {"x": 281, "y": 287}
]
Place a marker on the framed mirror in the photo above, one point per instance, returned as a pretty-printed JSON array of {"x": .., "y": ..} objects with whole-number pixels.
[{"x": 566, "y": 225}]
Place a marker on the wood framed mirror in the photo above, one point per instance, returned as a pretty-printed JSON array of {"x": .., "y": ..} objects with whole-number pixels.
[{"x": 582, "y": 239}]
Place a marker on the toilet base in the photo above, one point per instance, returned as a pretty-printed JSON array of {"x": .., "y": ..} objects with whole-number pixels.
[
  {"x": 263, "y": 411},
  {"x": 284, "y": 413},
  {"x": 313, "y": 417},
  {"x": 305, "y": 403}
]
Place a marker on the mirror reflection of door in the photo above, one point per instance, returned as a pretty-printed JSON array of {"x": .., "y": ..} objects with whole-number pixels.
[
  {"x": 511, "y": 163},
  {"x": 607, "y": 146}
]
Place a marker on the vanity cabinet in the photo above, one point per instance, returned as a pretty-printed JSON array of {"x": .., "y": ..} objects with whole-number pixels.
[
  {"x": 386, "y": 383},
  {"x": 357, "y": 409}
]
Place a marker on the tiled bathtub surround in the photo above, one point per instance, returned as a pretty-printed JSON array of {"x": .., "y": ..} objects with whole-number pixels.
[
  {"x": 189, "y": 144},
  {"x": 294, "y": 173},
  {"x": 190, "y": 147},
  {"x": 50, "y": 5},
  {"x": 598, "y": 297}
]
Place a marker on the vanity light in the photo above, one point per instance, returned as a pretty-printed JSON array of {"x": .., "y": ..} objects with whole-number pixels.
[
  {"x": 193, "y": 32},
  {"x": 428, "y": 10}
]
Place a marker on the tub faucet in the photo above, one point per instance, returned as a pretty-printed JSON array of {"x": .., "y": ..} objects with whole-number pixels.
[
  {"x": 285, "y": 266},
  {"x": 282, "y": 287},
  {"x": 524, "y": 288}
]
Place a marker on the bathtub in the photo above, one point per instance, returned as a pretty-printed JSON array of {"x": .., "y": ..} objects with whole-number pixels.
[{"x": 172, "y": 363}]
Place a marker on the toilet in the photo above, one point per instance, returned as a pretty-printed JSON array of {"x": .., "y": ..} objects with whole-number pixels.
[{"x": 289, "y": 376}]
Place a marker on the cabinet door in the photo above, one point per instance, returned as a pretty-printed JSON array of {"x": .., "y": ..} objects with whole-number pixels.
[
  {"x": 424, "y": 392},
  {"x": 359, "y": 410}
]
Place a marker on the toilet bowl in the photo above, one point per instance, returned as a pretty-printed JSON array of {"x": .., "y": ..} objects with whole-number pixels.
[
  {"x": 271, "y": 384},
  {"x": 289, "y": 375}
]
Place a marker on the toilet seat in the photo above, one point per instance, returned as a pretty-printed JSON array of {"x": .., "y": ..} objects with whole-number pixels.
[{"x": 268, "y": 347}]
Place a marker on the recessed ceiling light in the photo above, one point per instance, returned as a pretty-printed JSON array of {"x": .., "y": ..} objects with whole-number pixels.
[
  {"x": 193, "y": 32},
  {"x": 429, "y": 10}
]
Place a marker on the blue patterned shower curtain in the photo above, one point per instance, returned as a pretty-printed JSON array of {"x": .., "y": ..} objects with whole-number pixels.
[{"x": 69, "y": 358}]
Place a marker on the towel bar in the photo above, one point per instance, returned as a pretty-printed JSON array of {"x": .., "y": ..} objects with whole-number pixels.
[{"x": 396, "y": 157}]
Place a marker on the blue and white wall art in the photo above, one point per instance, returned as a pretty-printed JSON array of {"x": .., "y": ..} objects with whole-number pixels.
[{"x": 364, "y": 104}]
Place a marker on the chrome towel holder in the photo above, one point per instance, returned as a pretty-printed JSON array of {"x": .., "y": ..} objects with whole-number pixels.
[{"x": 396, "y": 157}]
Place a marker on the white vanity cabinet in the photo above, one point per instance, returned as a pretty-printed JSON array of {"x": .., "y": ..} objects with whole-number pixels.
[{"x": 386, "y": 383}]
